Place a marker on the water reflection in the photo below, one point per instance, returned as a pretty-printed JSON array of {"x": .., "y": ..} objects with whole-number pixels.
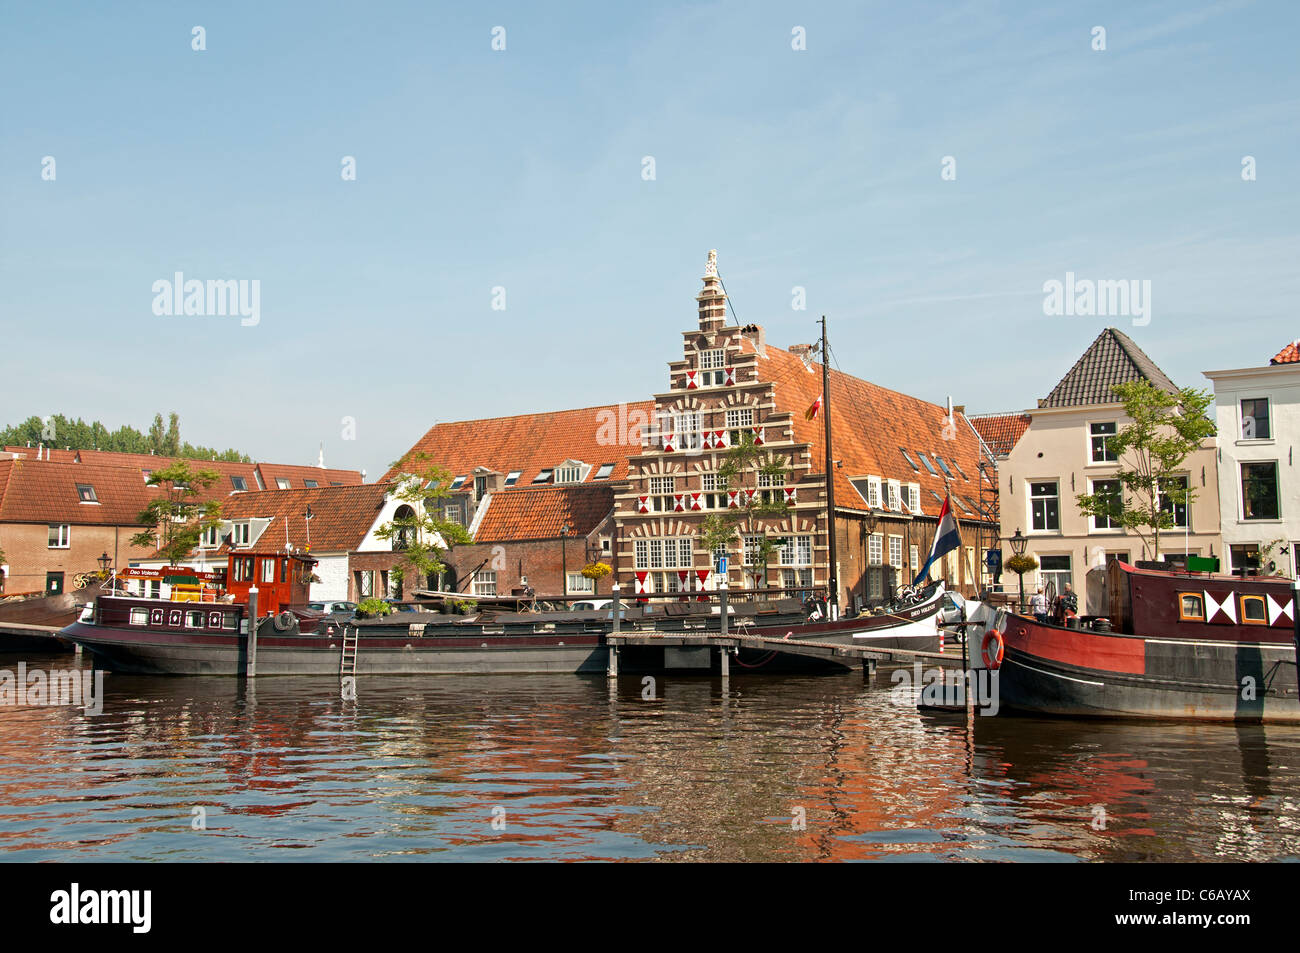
[{"x": 798, "y": 768}]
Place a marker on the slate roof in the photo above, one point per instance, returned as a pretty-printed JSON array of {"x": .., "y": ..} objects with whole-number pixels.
[
  {"x": 869, "y": 425},
  {"x": 1288, "y": 355},
  {"x": 1001, "y": 432},
  {"x": 533, "y": 442},
  {"x": 540, "y": 512},
  {"x": 341, "y": 515},
  {"x": 1111, "y": 359}
]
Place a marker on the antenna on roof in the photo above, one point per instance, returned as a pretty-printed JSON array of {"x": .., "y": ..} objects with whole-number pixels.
[{"x": 320, "y": 457}]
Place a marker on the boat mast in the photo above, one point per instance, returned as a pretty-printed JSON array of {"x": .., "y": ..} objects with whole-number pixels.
[{"x": 833, "y": 583}]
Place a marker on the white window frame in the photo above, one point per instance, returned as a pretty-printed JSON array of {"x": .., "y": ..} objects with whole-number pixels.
[
  {"x": 1092, "y": 485},
  {"x": 896, "y": 551},
  {"x": 875, "y": 495},
  {"x": 484, "y": 583},
  {"x": 876, "y": 549},
  {"x": 63, "y": 537},
  {"x": 914, "y": 498},
  {"x": 740, "y": 417},
  {"x": 895, "y": 495},
  {"x": 580, "y": 584},
  {"x": 1029, "y": 495},
  {"x": 1092, "y": 457}
]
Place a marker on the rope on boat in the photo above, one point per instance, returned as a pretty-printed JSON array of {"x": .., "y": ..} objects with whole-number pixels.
[{"x": 770, "y": 655}]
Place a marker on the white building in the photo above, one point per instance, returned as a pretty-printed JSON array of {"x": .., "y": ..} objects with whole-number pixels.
[{"x": 1257, "y": 410}]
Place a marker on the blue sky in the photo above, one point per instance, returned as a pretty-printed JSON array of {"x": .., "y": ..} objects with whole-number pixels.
[{"x": 522, "y": 169}]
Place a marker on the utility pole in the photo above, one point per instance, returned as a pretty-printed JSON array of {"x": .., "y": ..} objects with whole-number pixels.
[{"x": 833, "y": 605}]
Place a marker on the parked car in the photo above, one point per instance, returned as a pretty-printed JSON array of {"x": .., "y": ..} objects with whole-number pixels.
[
  {"x": 399, "y": 606},
  {"x": 331, "y": 607},
  {"x": 592, "y": 604}
]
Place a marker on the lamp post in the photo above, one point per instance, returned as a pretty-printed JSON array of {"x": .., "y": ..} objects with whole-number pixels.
[
  {"x": 564, "y": 557},
  {"x": 1018, "y": 543},
  {"x": 103, "y": 561}
]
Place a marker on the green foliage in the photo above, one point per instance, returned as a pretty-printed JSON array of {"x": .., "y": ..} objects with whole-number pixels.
[
  {"x": 177, "y": 513},
  {"x": 1165, "y": 430},
  {"x": 64, "y": 432},
  {"x": 373, "y": 607},
  {"x": 1021, "y": 564},
  {"x": 464, "y": 606},
  {"x": 740, "y": 469},
  {"x": 423, "y": 537}
]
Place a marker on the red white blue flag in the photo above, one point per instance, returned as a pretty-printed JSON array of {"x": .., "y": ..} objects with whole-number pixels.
[{"x": 946, "y": 539}]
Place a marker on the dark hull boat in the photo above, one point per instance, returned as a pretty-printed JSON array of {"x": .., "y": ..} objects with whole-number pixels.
[
  {"x": 1187, "y": 646},
  {"x": 156, "y": 636}
]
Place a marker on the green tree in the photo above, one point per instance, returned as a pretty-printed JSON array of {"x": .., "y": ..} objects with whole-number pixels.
[
  {"x": 1166, "y": 429},
  {"x": 420, "y": 532},
  {"x": 744, "y": 468},
  {"x": 178, "y": 514}
]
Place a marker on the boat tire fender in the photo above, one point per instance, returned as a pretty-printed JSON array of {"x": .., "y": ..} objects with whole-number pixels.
[
  {"x": 993, "y": 650},
  {"x": 283, "y": 621}
]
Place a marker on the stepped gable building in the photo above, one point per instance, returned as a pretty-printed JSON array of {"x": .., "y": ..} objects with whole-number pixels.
[
  {"x": 895, "y": 455},
  {"x": 631, "y": 484},
  {"x": 1064, "y": 452}
]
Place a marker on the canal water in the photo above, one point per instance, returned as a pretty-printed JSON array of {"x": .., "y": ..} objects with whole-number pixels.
[{"x": 541, "y": 767}]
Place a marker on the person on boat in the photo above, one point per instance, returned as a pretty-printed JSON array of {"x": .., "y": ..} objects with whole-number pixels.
[
  {"x": 1038, "y": 605},
  {"x": 1067, "y": 605}
]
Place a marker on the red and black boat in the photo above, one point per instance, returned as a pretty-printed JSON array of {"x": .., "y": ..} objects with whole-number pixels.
[{"x": 1174, "y": 644}]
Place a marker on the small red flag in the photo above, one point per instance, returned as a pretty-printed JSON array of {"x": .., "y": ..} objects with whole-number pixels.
[{"x": 812, "y": 412}]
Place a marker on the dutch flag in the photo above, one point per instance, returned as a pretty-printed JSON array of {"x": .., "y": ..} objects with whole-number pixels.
[{"x": 946, "y": 539}]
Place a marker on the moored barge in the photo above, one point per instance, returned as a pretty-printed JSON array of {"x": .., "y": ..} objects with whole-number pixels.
[{"x": 1174, "y": 644}]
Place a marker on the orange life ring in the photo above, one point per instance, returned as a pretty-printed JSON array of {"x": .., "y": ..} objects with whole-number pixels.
[{"x": 993, "y": 660}]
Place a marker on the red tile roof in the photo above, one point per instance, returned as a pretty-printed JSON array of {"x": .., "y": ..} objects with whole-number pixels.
[
  {"x": 341, "y": 515},
  {"x": 296, "y": 474},
  {"x": 52, "y": 453},
  {"x": 37, "y": 491},
  {"x": 1001, "y": 432},
  {"x": 869, "y": 425},
  {"x": 1288, "y": 355},
  {"x": 540, "y": 512},
  {"x": 534, "y": 442}
]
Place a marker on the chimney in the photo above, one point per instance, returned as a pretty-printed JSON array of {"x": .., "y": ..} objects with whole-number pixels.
[
  {"x": 959, "y": 408},
  {"x": 756, "y": 334},
  {"x": 712, "y": 299}
]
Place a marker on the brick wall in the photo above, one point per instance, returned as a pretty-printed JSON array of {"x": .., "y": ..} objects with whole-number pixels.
[{"x": 29, "y": 557}]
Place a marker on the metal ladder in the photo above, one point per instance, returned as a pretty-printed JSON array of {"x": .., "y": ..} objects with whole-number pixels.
[{"x": 348, "y": 660}]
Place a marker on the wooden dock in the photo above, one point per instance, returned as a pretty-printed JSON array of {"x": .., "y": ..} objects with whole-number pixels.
[{"x": 869, "y": 656}]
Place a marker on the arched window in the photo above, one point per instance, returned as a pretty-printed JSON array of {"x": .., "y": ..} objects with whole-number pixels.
[{"x": 403, "y": 528}]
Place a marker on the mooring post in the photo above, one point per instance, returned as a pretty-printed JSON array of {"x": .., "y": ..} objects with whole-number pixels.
[
  {"x": 726, "y": 660},
  {"x": 868, "y": 669},
  {"x": 722, "y": 603},
  {"x": 617, "y": 611},
  {"x": 250, "y": 670}
]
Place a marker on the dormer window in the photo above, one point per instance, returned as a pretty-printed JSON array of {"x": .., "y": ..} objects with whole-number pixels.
[
  {"x": 513, "y": 477},
  {"x": 239, "y": 483},
  {"x": 240, "y": 533},
  {"x": 569, "y": 473},
  {"x": 281, "y": 483},
  {"x": 86, "y": 493},
  {"x": 209, "y": 538},
  {"x": 543, "y": 476},
  {"x": 457, "y": 483}
]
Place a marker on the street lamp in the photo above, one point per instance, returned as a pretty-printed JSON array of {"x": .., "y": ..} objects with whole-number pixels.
[
  {"x": 1018, "y": 543},
  {"x": 103, "y": 561}
]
